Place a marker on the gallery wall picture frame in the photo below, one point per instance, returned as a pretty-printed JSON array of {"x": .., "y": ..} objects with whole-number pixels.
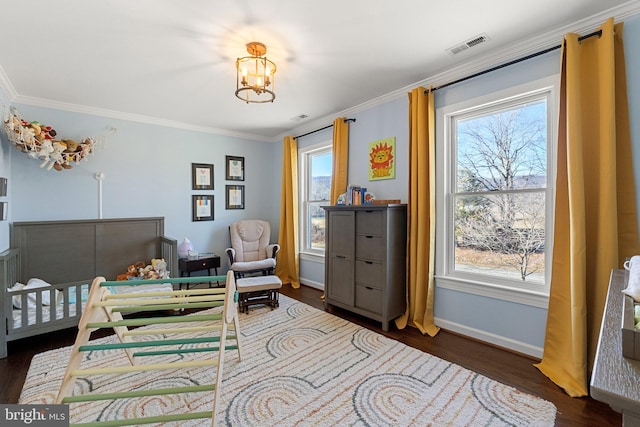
[
  {"x": 235, "y": 168},
  {"x": 201, "y": 176},
  {"x": 202, "y": 208},
  {"x": 234, "y": 197},
  {"x": 3, "y": 187}
]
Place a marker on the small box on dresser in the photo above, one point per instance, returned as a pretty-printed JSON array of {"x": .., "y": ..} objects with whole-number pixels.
[{"x": 630, "y": 335}]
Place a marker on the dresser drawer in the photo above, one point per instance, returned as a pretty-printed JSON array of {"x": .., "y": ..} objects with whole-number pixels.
[
  {"x": 369, "y": 273},
  {"x": 370, "y": 247},
  {"x": 368, "y": 298},
  {"x": 370, "y": 222}
]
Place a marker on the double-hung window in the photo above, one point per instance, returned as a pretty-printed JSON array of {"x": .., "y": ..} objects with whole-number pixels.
[
  {"x": 314, "y": 167},
  {"x": 495, "y": 193}
]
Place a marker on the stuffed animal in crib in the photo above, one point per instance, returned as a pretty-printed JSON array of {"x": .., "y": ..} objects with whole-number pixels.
[{"x": 156, "y": 270}]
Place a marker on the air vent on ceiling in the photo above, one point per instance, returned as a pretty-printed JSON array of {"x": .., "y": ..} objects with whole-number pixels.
[
  {"x": 299, "y": 117},
  {"x": 468, "y": 44}
]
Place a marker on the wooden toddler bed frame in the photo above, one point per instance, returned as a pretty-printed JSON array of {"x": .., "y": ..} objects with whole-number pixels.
[{"x": 69, "y": 255}]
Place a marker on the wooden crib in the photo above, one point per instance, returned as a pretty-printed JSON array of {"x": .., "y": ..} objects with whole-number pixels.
[{"x": 69, "y": 255}]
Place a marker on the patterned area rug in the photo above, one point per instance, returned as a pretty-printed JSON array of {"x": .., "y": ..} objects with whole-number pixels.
[{"x": 304, "y": 367}]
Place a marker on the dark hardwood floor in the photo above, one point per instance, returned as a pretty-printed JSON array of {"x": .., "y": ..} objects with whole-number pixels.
[{"x": 507, "y": 367}]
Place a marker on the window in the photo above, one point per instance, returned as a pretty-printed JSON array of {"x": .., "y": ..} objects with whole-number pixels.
[
  {"x": 495, "y": 193},
  {"x": 315, "y": 164}
]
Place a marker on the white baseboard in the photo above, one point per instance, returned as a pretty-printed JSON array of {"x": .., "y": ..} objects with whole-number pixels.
[
  {"x": 488, "y": 337},
  {"x": 477, "y": 334},
  {"x": 312, "y": 284}
]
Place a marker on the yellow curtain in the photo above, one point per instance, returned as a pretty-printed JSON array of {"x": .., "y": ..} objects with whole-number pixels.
[
  {"x": 595, "y": 224},
  {"x": 421, "y": 214},
  {"x": 287, "y": 266},
  {"x": 340, "y": 153}
]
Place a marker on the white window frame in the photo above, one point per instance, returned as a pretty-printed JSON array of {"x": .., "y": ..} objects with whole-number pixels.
[
  {"x": 304, "y": 168},
  {"x": 533, "y": 294}
]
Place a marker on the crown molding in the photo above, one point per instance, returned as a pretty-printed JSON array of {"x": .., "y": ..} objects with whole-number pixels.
[
  {"x": 139, "y": 118},
  {"x": 532, "y": 45},
  {"x": 488, "y": 60},
  {"x": 6, "y": 86}
]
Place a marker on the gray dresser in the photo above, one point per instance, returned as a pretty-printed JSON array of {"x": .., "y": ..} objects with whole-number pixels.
[{"x": 365, "y": 260}]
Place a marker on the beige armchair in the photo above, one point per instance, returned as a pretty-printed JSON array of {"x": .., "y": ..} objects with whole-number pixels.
[{"x": 250, "y": 250}]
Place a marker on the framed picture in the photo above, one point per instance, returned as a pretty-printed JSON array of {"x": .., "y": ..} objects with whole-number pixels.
[
  {"x": 202, "y": 209},
  {"x": 235, "y": 168},
  {"x": 202, "y": 176},
  {"x": 382, "y": 159},
  {"x": 235, "y": 197}
]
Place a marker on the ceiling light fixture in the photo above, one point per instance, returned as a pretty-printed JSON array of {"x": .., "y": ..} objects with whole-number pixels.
[{"x": 254, "y": 75}]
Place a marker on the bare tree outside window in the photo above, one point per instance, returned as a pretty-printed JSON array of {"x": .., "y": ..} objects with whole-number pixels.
[{"x": 499, "y": 201}]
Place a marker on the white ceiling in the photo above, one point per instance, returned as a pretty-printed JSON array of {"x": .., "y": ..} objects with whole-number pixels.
[{"x": 172, "y": 62}]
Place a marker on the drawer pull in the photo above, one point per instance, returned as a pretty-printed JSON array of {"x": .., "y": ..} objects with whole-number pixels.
[
  {"x": 369, "y": 288},
  {"x": 340, "y": 256},
  {"x": 369, "y": 237},
  {"x": 368, "y": 262}
]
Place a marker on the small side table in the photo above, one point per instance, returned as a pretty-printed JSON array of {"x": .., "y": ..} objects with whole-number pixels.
[{"x": 200, "y": 263}]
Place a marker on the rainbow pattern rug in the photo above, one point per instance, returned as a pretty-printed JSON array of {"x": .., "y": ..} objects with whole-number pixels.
[{"x": 303, "y": 367}]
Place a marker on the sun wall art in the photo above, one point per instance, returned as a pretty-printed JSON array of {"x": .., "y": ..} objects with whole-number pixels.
[{"x": 382, "y": 156}]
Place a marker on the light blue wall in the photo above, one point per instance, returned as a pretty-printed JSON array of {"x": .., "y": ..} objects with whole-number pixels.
[
  {"x": 384, "y": 121},
  {"x": 5, "y": 172},
  {"x": 631, "y": 35},
  {"x": 513, "y": 325},
  {"x": 482, "y": 317},
  {"x": 147, "y": 173}
]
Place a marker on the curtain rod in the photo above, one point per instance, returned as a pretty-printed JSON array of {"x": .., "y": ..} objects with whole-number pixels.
[
  {"x": 515, "y": 61},
  {"x": 318, "y": 130}
]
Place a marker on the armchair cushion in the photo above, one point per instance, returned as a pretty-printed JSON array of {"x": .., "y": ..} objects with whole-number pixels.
[
  {"x": 264, "y": 264},
  {"x": 250, "y": 248},
  {"x": 248, "y": 237}
]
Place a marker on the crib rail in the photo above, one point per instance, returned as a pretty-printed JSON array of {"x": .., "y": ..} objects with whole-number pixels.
[{"x": 64, "y": 309}]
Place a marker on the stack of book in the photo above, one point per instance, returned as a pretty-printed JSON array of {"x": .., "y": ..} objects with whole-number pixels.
[{"x": 356, "y": 195}]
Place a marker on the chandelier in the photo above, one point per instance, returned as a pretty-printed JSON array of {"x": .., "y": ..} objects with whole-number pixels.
[{"x": 254, "y": 75}]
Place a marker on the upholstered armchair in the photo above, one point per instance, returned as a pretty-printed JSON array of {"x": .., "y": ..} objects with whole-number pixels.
[{"x": 250, "y": 250}]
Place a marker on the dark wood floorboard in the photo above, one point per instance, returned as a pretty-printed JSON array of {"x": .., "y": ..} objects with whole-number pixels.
[{"x": 501, "y": 365}]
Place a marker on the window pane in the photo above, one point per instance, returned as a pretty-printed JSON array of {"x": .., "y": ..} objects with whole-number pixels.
[
  {"x": 503, "y": 150},
  {"x": 501, "y": 234},
  {"x": 320, "y": 173},
  {"x": 316, "y": 226}
]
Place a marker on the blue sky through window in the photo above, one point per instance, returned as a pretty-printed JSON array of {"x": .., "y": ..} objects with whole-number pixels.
[{"x": 321, "y": 165}]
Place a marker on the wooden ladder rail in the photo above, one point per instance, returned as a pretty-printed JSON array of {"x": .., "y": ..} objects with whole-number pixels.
[{"x": 104, "y": 310}]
